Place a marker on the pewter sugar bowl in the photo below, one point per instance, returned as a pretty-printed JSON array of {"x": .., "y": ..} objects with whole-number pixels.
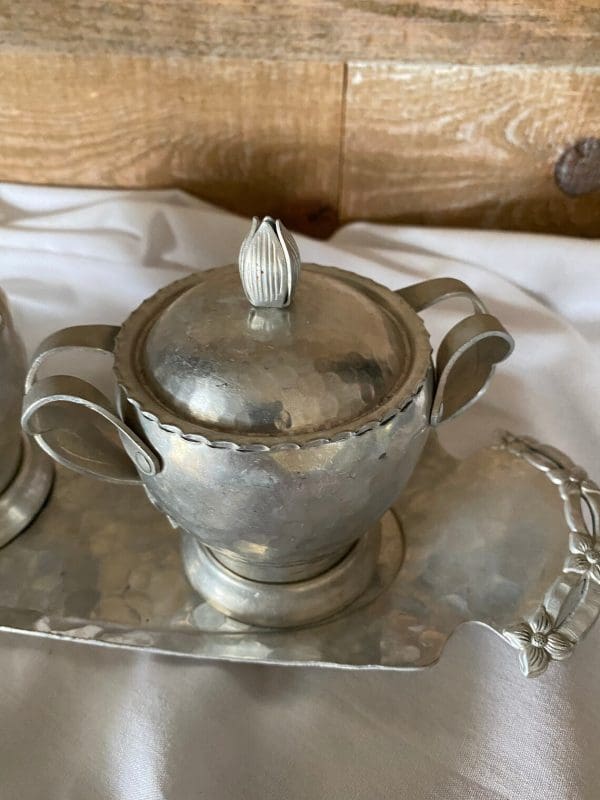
[{"x": 273, "y": 411}]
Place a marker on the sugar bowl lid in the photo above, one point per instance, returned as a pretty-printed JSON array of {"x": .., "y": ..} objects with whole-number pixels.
[{"x": 276, "y": 356}]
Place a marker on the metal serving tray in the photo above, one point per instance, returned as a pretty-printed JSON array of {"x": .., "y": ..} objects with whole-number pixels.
[{"x": 505, "y": 538}]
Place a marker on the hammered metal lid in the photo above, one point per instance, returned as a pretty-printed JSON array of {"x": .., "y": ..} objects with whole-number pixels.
[{"x": 328, "y": 349}]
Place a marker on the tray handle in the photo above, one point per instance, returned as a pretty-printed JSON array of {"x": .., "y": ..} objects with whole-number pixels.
[
  {"x": 571, "y": 604},
  {"x": 74, "y": 422},
  {"x": 467, "y": 354}
]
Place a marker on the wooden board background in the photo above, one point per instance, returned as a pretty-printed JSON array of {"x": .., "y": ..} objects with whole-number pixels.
[
  {"x": 251, "y": 139},
  {"x": 318, "y": 112},
  {"x": 468, "y": 145},
  {"x": 461, "y": 31}
]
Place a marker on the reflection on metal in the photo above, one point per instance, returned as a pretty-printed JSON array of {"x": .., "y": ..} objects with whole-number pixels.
[
  {"x": 25, "y": 472},
  {"x": 292, "y": 603},
  {"x": 22, "y": 499},
  {"x": 488, "y": 539},
  {"x": 277, "y": 436}
]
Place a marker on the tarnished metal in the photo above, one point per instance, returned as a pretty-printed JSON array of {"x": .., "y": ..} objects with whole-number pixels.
[
  {"x": 12, "y": 378},
  {"x": 468, "y": 353},
  {"x": 276, "y": 436},
  {"x": 26, "y": 493},
  {"x": 290, "y": 603},
  {"x": 572, "y": 602},
  {"x": 25, "y": 473},
  {"x": 488, "y": 539}
]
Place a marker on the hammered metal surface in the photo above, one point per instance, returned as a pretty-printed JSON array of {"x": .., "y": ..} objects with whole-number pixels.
[
  {"x": 277, "y": 437},
  {"x": 220, "y": 363},
  {"x": 485, "y": 540},
  {"x": 334, "y": 344},
  {"x": 279, "y": 499}
]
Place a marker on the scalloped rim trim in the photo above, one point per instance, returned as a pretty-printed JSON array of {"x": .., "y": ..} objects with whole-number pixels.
[
  {"x": 260, "y": 447},
  {"x": 126, "y": 342}
]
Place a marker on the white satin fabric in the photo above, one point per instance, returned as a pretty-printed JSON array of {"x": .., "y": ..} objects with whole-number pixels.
[{"x": 82, "y": 722}]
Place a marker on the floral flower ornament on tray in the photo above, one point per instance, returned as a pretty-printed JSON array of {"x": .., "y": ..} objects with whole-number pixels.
[
  {"x": 538, "y": 642},
  {"x": 575, "y": 595},
  {"x": 585, "y": 557}
]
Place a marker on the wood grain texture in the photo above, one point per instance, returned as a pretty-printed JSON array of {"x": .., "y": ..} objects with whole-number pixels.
[
  {"x": 254, "y": 137},
  {"x": 457, "y": 31},
  {"x": 148, "y": 94},
  {"x": 467, "y": 146}
]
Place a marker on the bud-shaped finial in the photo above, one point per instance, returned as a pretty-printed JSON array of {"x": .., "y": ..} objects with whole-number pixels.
[{"x": 269, "y": 263}]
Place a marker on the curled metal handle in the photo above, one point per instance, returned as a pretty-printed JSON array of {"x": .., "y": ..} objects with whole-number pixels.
[
  {"x": 74, "y": 422},
  {"x": 468, "y": 353}
]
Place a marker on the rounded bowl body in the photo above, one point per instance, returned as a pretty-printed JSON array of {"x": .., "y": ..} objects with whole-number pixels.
[
  {"x": 280, "y": 511},
  {"x": 283, "y": 434}
]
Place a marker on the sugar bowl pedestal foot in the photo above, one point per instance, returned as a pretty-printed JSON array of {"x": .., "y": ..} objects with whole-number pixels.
[{"x": 292, "y": 603}]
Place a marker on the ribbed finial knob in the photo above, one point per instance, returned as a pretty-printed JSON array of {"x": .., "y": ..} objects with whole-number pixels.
[{"x": 269, "y": 263}]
